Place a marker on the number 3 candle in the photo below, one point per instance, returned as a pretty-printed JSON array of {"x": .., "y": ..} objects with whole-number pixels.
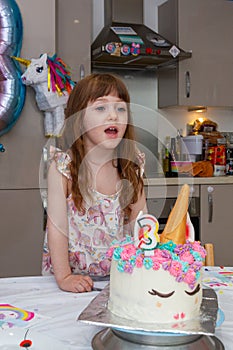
[{"x": 146, "y": 234}]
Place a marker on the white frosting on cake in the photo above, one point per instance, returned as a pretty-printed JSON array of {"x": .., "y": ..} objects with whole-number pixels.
[
  {"x": 131, "y": 298},
  {"x": 163, "y": 286},
  {"x": 157, "y": 278}
]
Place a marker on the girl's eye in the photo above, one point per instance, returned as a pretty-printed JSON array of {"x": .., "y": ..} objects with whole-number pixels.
[
  {"x": 121, "y": 109},
  {"x": 100, "y": 108}
]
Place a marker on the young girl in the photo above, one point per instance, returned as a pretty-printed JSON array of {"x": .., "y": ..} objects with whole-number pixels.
[{"x": 95, "y": 189}]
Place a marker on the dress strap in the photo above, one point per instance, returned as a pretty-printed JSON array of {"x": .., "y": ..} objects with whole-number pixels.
[
  {"x": 141, "y": 161},
  {"x": 62, "y": 160}
]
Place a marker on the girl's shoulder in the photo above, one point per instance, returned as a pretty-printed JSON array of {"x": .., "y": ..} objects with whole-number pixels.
[{"x": 62, "y": 160}]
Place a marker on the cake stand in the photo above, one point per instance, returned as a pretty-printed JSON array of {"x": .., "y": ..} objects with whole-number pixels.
[
  {"x": 124, "y": 334},
  {"x": 108, "y": 339}
]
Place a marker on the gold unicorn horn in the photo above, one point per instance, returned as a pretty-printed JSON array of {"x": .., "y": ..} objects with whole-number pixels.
[
  {"x": 22, "y": 60},
  {"x": 175, "y": 229}
]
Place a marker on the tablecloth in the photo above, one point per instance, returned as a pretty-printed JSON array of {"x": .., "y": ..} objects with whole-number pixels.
[{"x": 57, "y": 311}]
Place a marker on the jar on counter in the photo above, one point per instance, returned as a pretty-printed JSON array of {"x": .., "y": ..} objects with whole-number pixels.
[
  {"x": 229, "y": 152},
  {"x": 229, "y": 161},
  {"x": 217, "y": 156}
]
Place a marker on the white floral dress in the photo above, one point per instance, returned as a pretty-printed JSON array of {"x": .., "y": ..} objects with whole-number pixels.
[{"x": 90, "y": 233}]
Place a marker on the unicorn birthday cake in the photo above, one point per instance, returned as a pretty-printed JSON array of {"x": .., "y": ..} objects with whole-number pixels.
[{"x": 157, "y": 278}]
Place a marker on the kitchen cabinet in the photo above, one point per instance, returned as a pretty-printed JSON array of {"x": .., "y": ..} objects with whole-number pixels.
[
  {"x": 216, "y": 220},
  {"x": 73, "y": 35},
  {"x": 22, "y": 214},
  {"x": 204, "y": 28},
  {"x": 22, "y": 232}
]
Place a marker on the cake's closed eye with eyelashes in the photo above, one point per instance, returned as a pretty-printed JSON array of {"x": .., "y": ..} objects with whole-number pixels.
[{"x": 157, "y": 277}]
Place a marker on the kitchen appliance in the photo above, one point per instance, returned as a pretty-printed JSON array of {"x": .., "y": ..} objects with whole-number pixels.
[
  {"x": 191, "y": 147},
  {"x": 126, "y": 43}
]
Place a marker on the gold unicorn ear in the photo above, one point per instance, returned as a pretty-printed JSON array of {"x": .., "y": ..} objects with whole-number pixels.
[
  {"x": 175, "y": 229},
  {"x": 24, "y": 61}
]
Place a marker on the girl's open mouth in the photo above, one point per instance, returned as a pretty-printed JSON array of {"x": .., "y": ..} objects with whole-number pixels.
[{"x": 111, "y": 130}]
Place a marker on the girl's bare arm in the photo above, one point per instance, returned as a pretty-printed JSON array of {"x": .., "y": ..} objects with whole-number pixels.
[{"x": 58, "y": 234}]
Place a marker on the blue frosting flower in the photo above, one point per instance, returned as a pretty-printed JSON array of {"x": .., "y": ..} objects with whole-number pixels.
[
  {"x": 121, "y": 265},
  {"x": 132, "y": 259},
  {"x": 175, "y": 257},
  {"x": 168, "y": 246},
  {"x": 185, "y": 266},
  {"x": 148, "y": 263},
  {"x": 197, "y": 256},
  {"x": 117, "y": 253},
  {"x": 138, "y": 252}
]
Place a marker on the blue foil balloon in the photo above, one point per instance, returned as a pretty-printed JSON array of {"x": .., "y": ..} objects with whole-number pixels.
[{"x": 12, "y": 91}]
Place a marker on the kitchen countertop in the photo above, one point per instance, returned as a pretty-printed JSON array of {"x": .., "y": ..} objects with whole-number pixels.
[{"x": 167, "y": 181}]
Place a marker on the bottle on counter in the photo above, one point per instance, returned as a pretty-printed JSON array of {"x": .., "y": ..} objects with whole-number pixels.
[
  {"x": 174, "y": 158},
  {"x": 170, "y": 156},
  {"x": 229, "y": 167},
  {"x": 178, "y": 144},
  {"x": 229, "y": 161},
  {"x": 167, "y": 157},
  {"x": 173, "y": 152}
]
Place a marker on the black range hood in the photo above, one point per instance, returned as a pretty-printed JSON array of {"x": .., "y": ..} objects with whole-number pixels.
[{"x": 124, "y": 45}]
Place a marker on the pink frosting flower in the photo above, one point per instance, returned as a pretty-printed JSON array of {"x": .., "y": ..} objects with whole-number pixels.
[
  {"x": 196, "y": 246},
  {"x": 187, "y": 256},
  {"x": 156, "y": 265},
  {"x": 128, "y": 251},
  {"x": 176, "y": 268},
  {"x": 109, "y": 253},
  {"x": 190, "y": 276},
  {"x": 139, "y": 261},
  {"x": 203, "y": 253},
  {"x": 161, "y": 255}
]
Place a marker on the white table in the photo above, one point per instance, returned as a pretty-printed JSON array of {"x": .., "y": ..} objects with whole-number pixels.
[{"x": 59, "y": 310}]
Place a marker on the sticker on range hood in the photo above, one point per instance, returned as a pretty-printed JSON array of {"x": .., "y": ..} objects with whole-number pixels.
[
  {"x": 124, "y": 31},
  {"x": 127, "y": 35},
  {"x": 130, "y": 39}
]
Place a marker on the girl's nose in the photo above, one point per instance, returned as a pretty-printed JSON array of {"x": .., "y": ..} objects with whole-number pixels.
[{"x": 112, "y": 115}]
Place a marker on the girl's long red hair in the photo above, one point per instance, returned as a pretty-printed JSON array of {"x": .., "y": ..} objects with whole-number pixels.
[{"x": 88, "y": 90}]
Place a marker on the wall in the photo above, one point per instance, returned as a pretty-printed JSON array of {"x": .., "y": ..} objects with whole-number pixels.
[
  {"x": 39, "y": 26},
  {"x": 24, "y": 142},
  {"x": 143, "y": 89}
]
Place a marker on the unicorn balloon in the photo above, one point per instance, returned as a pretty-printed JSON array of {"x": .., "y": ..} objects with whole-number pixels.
[{"x": 51, "y": 80}]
